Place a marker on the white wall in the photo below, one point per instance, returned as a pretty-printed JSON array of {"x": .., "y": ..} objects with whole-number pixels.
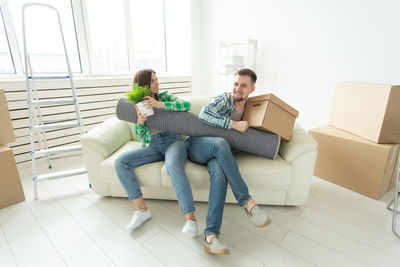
[{"x": 304, "y": 47}]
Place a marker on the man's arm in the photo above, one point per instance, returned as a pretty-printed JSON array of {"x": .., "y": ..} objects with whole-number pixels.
[
  {"x": 217, "y": 112},
  {"x": 240, "y": 126}
]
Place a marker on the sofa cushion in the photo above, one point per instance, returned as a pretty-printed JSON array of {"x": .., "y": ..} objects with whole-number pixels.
[
  {"x": 148, "y": 175},
  {"x": 258, "y": 172}
]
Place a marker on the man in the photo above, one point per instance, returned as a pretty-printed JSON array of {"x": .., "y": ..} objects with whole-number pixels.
[{"x": 225, "y": 111}]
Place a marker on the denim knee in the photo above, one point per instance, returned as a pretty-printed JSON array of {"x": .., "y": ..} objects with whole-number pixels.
[
  {"x": 119, "y": 162},
  {"x": 216, "y": 173},
  {"x": 220, "y": 144}
]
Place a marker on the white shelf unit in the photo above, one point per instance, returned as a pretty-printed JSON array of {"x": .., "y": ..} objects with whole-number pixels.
[{"x": 235, "y": 56}]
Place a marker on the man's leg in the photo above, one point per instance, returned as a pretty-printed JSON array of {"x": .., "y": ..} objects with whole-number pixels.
[
  {"x": 202, "y": 149},
  {"x": 216, "y": 198},
  {"x": 216, "y": 202}
]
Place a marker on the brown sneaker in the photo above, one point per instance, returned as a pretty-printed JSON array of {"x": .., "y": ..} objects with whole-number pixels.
[
  {"x": 258, "y": 217},
  {"x": 216, "y": 247}
]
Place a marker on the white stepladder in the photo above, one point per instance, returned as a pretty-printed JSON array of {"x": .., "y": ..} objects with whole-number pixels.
[
  {"x": 34, "y": 104},
  {"x": 395, "y": 201}
]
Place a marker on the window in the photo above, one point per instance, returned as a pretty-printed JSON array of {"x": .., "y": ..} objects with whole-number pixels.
[
  {"x": 43, "y": 37},
  {"x": 102, "y": 37},
  {"x": 6, "y": 64},
  {"x": 108, "y": 43},
  {"x": 147, "y": 18},
  {"x": 112, "y": 45}
]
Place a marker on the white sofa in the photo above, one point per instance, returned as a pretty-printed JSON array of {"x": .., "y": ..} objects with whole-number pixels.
[{"x": 283, "y": 181}]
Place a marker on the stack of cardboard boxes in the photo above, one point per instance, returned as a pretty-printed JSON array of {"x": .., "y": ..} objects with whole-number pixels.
[
  {"x": 10, "y": 183},
  {"x": 359, "y": 148}
]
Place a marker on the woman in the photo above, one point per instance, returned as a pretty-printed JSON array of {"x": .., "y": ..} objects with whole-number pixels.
[{"x": 164, "y": 146}]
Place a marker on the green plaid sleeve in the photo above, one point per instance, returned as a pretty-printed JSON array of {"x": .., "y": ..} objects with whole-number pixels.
[
  {"x": 143, "y": 133},
  {"x": 173, "y": 102}
]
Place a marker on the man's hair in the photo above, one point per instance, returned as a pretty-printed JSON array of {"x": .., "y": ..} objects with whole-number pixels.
[{"x": 247, "y": 72}]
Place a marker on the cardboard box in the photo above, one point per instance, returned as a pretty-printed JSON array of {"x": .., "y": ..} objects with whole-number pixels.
[
  {"x": 371, "y": 111},
  {"x": 11, "y": 190},
  {"x": 6, "y": 128},
  {"x": 269, "y": 113},
  {"x": 354, "y": 162}
]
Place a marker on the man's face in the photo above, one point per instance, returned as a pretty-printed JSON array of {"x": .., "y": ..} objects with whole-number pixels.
[{"x": 242, "y": 88}]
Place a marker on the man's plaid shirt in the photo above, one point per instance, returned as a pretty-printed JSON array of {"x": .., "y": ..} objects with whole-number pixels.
[
  {"x": 171, "y": 102},
  {"x": 218, "y": 111}
]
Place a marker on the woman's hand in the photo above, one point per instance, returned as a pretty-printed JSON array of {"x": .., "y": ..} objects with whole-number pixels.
[
  {"x": 141, "y": 117},
  {"x": 151, "y": 102}
]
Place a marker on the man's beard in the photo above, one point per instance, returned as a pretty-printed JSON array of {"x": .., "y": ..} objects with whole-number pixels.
[{"x": 238, "y": 98}]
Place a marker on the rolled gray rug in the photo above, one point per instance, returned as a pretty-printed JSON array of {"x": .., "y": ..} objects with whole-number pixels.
[{"x": 261, "y": 143}]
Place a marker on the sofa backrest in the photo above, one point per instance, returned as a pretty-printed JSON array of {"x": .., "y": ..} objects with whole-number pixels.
[{"x": 198, "y": 102}]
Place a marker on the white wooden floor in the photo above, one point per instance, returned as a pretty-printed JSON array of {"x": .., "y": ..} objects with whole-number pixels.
[{"x": 71, "y": 226}]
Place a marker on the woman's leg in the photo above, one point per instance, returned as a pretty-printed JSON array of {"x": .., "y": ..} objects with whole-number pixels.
[
  {"x": 126, "y": 163},
  {"x": 175, "y": 158},
  {"x": 124, "y": 166}
]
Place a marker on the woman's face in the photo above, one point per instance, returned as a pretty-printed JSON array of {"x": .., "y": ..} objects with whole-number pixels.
[{"x": 154, "y": 84}]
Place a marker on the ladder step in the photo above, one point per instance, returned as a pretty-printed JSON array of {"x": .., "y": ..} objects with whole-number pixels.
[
  {"x": 52, "y": 102},
  {"x": 54, "y": 126},
  {"x": 48, "y": 77},
  {"x": 55, "y": 150},
  {"x": 60, "y": 174}
]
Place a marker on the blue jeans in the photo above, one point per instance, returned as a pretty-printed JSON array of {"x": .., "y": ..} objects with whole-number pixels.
[
  {"x": 223, "y": 169},
  {"x": 163, "y": 146}
]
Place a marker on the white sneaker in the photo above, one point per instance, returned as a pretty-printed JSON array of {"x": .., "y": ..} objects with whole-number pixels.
[
  {"x": 216, "y": 247},
  {"x": 258, "y": 217},
  {"x": 190, "y": 228},
  {"x": 138, "y": 218}
]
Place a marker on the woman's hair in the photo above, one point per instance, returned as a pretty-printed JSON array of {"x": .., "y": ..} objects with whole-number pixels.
[{"x": 143, "y": 77}]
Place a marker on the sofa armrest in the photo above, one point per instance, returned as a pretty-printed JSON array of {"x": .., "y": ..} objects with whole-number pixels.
[
  {"x": 107, "y": 137},
  {"x": 300, "y": 143}
]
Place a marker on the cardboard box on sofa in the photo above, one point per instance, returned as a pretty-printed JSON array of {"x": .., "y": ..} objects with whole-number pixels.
[
  {"x": 10, "y": 183},
  {"x": 371, "y": 111},
  {"x": 354, "y": 162},
  {"x": 6, "y": 128},
  {"x": 269, "y": 113}
]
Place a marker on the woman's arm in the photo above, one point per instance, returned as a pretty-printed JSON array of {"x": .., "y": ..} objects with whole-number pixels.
[
  {"x": 174, "y": 103},
  {"x": 142, "y": 132}
]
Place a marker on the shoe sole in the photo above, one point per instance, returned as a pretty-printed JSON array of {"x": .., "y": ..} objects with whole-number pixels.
[
  {"x": 264, "y": 225},
  {"x": 213, "y": 251}
]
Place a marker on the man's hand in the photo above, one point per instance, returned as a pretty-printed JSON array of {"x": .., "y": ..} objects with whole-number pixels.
[
  {"x": 141, "y": 117},
  {"x": 240, "y": 126},
  {"x": 151, "y": 102}
]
